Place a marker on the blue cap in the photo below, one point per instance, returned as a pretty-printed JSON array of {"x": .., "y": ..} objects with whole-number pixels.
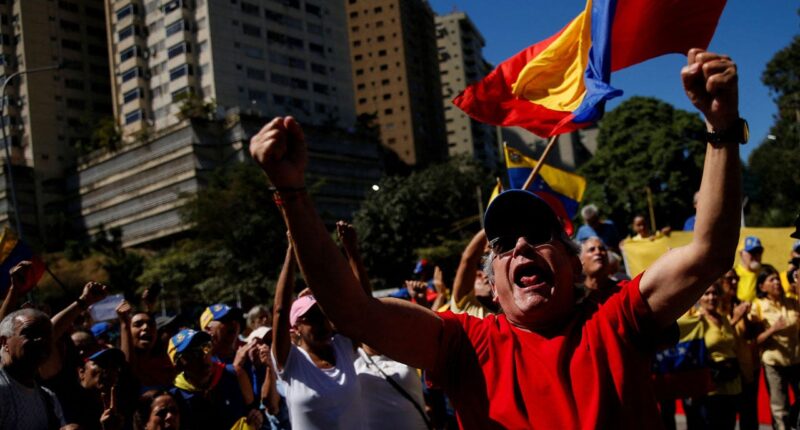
[
  {"x": 752, "y": 244},
  {"x": 101, "y": 328},
  {"x": 107, "y": 356},
  {"x": 183, "y": 340},
  {"x": 213, "y": 313},
  {"x": 515, "y": 212}
]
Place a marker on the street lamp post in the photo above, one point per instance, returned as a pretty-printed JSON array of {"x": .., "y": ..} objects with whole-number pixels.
[{"x": 7, "y": 145}]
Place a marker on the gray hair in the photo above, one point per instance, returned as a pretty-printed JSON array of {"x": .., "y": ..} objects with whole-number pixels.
[
  {"x": 589, "y": 211},
  {"x": 8, "y": 326},
  {"x": 562, "y": 237},
  {"x": 255, "y": 312}
]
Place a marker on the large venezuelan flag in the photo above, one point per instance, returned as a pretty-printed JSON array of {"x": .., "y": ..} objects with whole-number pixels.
[
  {"x": 12, "y": 252},
  {"x": 561, "y": 84},
  {"x": 562, "y": 190}
]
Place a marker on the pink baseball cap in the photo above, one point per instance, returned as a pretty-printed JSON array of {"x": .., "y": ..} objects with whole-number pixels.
[{"x": 300, "y": 307}]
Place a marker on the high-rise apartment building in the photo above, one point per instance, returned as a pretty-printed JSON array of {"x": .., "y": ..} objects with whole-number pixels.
[
  {"x": 461, "y": 63},
  {"x": 271, "y": 57},
  {"x": 49, "y": 112},
  {"x": 396, "y": 75}
]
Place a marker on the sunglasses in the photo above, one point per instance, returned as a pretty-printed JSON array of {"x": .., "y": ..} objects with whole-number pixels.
[{"x": 504, "y": 244}]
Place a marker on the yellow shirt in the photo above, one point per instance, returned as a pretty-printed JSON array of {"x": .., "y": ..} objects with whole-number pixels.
[
  {"x": 783, "y": 347},
  {"x": 469, "y": 305},
  {"x": 746, "y": 291},
  {"x": 721, "y": 343}
]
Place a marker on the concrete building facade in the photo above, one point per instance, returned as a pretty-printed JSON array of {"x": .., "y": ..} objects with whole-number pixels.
[
  {"x": 269, "y": 57},
  {"x": 461, "y": 64},
  {"x": 50, "y": 112},
  {"x": 396, "y": 75},
  {"x": 142, "y": 188}
]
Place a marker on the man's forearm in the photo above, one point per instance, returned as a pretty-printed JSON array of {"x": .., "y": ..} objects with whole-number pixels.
[
  {"x": 719, "y": 207},
  {"x": 326, "y": 271}
]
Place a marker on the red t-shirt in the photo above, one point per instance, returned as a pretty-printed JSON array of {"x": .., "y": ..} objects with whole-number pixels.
[{"x": 595, "y": 373}]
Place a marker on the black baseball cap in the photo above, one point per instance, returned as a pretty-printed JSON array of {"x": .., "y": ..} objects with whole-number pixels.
[{"x": 517, "y": 212}]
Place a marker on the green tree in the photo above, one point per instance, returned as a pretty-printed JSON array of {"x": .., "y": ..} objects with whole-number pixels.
[
  {"x": 193, "y": 106},
  {"x": 237, "y": 244},
  {"x": 643, "y": 143},
  {"x": 774, "y": 167},
  {"x": 419, "y": 211}
]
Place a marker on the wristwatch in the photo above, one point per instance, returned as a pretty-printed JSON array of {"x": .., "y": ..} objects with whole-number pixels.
[{"x": 738, "y": 132}]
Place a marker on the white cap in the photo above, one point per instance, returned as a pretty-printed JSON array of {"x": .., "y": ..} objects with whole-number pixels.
[{"x": 258, "y": 333}]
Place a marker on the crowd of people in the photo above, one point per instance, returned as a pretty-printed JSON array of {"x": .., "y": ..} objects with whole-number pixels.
[{"x": 535, "y": 330}]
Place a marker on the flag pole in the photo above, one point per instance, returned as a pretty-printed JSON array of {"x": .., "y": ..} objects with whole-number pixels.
[
  {"x": 650, "y": 209},
  {"x": 540, "y": 163}
]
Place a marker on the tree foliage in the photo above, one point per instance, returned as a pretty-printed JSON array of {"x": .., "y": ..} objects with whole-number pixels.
[
  {"x": 774, "y": 176},
  {"x": 419, "y": 211},
  {"x": 237, "y": 244},
  {"x": 643, "y": 143}
]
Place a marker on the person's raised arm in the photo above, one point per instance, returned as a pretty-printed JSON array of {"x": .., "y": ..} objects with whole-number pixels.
[
  {"x": 21, "y": 277},
  {"x": 124, "y": 311},
  {"x": 349, "y": 239},
  {"x": 677, "y": 279},
  {"x": 400, "y": 330},
  {"x": 92, "y": 293},
  {"x": 281, "y": 338},
  {"x": 464, "y": 282}
]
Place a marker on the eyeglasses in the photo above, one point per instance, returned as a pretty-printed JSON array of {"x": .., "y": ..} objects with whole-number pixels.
[{"x": 503, "y": 244}]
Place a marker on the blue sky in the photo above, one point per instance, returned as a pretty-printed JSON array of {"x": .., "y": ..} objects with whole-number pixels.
[{"x": 749, "y": 31}]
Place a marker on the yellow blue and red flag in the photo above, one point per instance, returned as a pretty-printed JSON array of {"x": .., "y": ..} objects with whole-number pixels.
[
  {"x": 562, "y": 190},
  {"x": 12, "y": 252},
  {"x": 562, "y": 83}
]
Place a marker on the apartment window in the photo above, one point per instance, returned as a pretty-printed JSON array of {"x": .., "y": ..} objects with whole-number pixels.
[
  {"x": 131, "y": 73},
  {"x": 353, "y": 14},
  {"x": 320, "y": 88},
  {"x": 75, "y": 84},
  {"x": 175, "y": 27},
  {"x": 300, "y": 84},
  {"x": 379, "y": 24},
  {"x": 253, "y": 52},
  {"x": 71, "y": 44},
  {"x": 314, "y": 29},
  {"x": 320, "y": 108},
  {"x": 382, "y": 53},
  {"x": 384, "y": 67},
  {"x": 250, "y": 9},
  {"x": 70, "y": 26},
  {"x": 357, "y": 43},
  {"x": 128, "y": 10},
  {"x": 94, "y": 12},
  {"x": 128, "y": 32},
  {"x": 251, "y": 30},
  {"x": 313, "y": 9},
  {"x": 359, "y": 72},
  {"x": 297, "y": 63},
  {"x": 277, "y": 78},
  {"x": 129, "y": 53},
  {"x": 378, "y": 9},
  {"x": 295, "y": 43},
  {"x": 180, "y": 48},
  {"x": 179, "y": 94},
  {"x": 131, "y": 95},
  {"x": 256, "y": 74},
  {"x": 275, "y": 37},
  {"x": 173, "y": 5},
  {"x": 317, "y": 49},
  {"x": 134, "y": 116},
  {"x": 388, "y": 111},
  {"x": 358, "y": 57},
  {"x": 362, "y": 101},
  {"x": 278, "y": 99},
  {"x": 257, "y": 96},
  {"x": 387, "y": 96},
  {"x": 68, "y": 6},
  {"x": 318, "y": 69},
  {"x": 182, "y": 70}
]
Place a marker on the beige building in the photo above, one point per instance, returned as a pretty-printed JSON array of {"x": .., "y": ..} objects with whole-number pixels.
[
  {"x": 396, "y": 75},
  {"x": 461, "y": 63},
  {"x": 270, "y": 57},
  {"x": 49, "y": 113}
]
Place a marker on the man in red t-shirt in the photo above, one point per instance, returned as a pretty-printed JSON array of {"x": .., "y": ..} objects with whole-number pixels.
[{"x": 547, "y": 361}]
